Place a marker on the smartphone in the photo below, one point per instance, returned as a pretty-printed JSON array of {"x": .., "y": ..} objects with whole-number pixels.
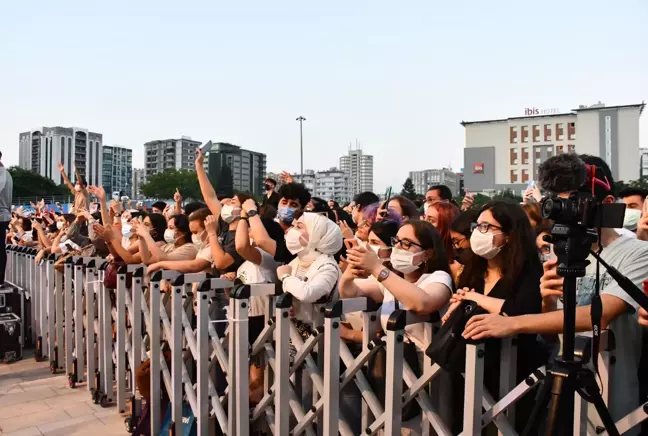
[
  {"x": 531, "y": 184},
  {"x": 350, "y": 243}
]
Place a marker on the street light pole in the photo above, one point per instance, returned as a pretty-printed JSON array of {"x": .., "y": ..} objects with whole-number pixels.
[{"x": 301, "y": 146}]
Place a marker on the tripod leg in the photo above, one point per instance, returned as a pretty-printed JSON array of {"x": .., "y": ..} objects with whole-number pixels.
[
  {"x": 542, "y": 399},
  {"x": 586, "y": 381},
  {"x": 557, "y": 386}
]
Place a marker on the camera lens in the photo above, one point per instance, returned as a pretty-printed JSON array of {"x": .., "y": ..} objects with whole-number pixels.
[{"x": 551, "y": 208}]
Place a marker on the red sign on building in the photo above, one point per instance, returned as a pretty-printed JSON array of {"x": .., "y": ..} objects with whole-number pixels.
[{"x": 478, "y": 168}]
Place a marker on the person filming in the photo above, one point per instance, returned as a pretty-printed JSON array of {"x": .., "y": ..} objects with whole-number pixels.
[{"x": 619, "y": 311}]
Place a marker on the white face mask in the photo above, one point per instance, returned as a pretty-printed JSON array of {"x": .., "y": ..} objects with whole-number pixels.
[
  {"x": 482, "y": 244},
  {"x": 196, "y": 239},
  {"x": 127, "y": 230},
  {"x": 293, "y": 241},
  {"x": 229, "y": 213},
  {"x": 59, "y": 224},
  {"x": 403, "y": 260},
  {"x": 169, "y": 236},
  {"x": 631, "y": 219}
]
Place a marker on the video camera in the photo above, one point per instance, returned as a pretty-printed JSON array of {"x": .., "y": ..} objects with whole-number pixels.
[{"x": 582, "y": 209}]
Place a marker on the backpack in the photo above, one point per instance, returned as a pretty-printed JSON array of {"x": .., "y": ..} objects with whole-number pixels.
[{"x": 448, "y": 347}]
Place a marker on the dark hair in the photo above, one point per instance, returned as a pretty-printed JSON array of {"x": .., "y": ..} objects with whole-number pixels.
[
  {"x": 200, "y": 215},
  {"x": 268, "y": 211},
  {"x": 517, "y": 257},
  {"x": 444, "y": 192},
  {"x": 270, "y": 180},
  {"x": 385, "y": 230},
  {"x": 97, "y": 216},
  {"x": 182, "y": 225},
  {"x": 447, "y": 213},
  {"x": 430, "y": 239},
  {"x": 159, "y": 224},
  {"x": 194, "y": 206},
  {"x": 69, "y": 217},
  {"x": 602, "y": 172},
  {"x": 161, "y": 205},
  {"x": 533, "y": 211},
  {"x": 366, "y": 198},
  {"x": 336, "y": 205},
  {"x": 242, "y": 196},
  {"x": 463, "y": 222},
  {"x": 321, "y": 206},
  {"x": 295, "y": 191},
  {"x": 26, "y": 224},
  {"x": 629, "y": 192},
  {"x": 409, "y": 208}
]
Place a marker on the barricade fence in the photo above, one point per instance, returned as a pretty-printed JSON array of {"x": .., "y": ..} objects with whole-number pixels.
[{"x": 180, "y": 343}]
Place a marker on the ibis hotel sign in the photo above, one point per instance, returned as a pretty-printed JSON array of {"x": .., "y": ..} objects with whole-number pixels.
[{"x": 534, "y": 111}]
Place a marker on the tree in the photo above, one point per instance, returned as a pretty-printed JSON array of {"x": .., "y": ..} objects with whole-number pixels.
[
  {"x": 28, "y": 184},
  {"x": 508, "y": 196},
  {"x": 408, "y": 190},
  {"x": 225, "y": 182},
  {"x": 163, "y": 185},
  {"x": 641, "y": 183}
]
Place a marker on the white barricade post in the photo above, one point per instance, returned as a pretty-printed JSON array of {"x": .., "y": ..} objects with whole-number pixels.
[
  {"x": 335, "y": 349},
  {"x": 136, "y": 340},
  {"x": 92, "y": 330},
  {"x": 398, "y": 372},
  {"x": 68, "y": 295},
  {"x": 51, "y": 312},
  {"x": 78, "y": 373},
  {"x": 474, "y": 388},
  {"x": 57, "y": 363}
]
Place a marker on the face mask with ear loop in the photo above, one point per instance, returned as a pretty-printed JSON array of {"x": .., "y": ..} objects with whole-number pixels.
[{"x": 404, "y": 261}]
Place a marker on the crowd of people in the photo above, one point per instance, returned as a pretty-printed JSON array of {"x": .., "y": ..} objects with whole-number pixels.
[{"x": 425, "y": 258}]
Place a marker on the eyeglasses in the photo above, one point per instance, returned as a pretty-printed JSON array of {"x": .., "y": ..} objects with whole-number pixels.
[
  {"x": 484, "y": 227},
  {"x": 456, "y": 243},
  {"x": 406, "y": 244}
]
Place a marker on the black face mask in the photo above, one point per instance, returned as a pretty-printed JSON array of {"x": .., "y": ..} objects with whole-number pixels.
[{"x": 268, "y": 187}]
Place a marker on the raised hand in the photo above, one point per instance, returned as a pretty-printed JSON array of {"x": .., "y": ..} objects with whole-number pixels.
[
  {"x": 200, "y": 158},
  {"x": 642, "y": 226},
  {"x": 177, "y": 197},
  {"x": 211, "y": 225},
  {"x": 468, "y": 201},
  {"x": 286, "y": 177},
  {"x": 61, "y": 167}
]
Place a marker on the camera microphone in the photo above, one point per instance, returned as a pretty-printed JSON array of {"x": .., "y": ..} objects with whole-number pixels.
[{"x": 562, "y": 173}]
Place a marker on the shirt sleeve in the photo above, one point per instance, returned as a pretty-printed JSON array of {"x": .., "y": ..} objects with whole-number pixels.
[
  {"x": 634, "y": 268},
  {"x": 205, "y": 254},
  {"x": 314, "y": 289},
  {"x": 186, "y": 252},
  {"x": 437, "y": 277}
]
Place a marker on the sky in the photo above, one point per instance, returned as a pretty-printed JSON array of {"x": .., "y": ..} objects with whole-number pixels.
[{"x": 398, "y": 77}]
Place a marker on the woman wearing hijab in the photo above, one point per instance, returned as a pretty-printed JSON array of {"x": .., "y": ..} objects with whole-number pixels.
[{"x": 313, "y": 274}]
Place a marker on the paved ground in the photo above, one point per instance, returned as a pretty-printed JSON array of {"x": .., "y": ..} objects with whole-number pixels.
[{"x": 35, "y": 402}]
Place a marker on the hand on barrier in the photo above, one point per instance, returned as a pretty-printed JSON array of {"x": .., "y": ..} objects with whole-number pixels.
[
  {"x": 489, "y": 326},
  {"x": 153, "y": 267}
]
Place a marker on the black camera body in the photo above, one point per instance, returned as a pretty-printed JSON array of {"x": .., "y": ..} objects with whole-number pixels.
[{"x": 584, "y": 210}]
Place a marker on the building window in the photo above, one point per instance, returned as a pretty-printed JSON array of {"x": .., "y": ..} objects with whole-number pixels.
[
  {"x": 513, "y": 135},
  {"x": 535, "y": 130},
  {"x": 525, "y": 155},
  {"x": 571, "y": 148},
  {"x": 547, "y": 132},
  {"x": 571, "y": 131},
  {"x": 525, "y": 134},
  {"x": 560, "y": 131},
  {"x": 514, "y": 176},
  {"x": 525, "y": 176},
  {"x": 549, "y": 152},
  {"x": 560, "y": 149},
  {"x": 538, "y": 155},
  {"x": 514, "y": 156}
]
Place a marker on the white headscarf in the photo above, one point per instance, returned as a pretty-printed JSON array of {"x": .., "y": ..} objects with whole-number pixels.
[{"x": 324, "y": 237}]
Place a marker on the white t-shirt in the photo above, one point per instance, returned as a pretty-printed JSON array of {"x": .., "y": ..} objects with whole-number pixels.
[
  {"x": 415, "y": 332},
  {"x": 266, "y": 272}
]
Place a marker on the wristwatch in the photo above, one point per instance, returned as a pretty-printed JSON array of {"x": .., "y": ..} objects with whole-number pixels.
[
  {"x": 252, "y": 212},
  {"x": 283, "y": 277},
  {"x": 383, "y": 274}
]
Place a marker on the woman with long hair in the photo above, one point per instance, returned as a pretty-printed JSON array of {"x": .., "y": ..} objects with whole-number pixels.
[
  {"x": 503, "y": 276},
  {"x": 421, "y": 281},
  {"x": 460, "y": 231},
  {"x": 440, "y": 215}
]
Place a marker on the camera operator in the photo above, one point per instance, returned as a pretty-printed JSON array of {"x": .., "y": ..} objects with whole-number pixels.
[{"x": 620, "y": 311}]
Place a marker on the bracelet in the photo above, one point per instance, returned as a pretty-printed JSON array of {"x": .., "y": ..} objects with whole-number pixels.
[{"x": 283, "y": 277}]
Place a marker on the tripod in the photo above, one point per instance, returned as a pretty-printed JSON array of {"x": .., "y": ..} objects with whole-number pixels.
[{"x": 569, "y": 375}]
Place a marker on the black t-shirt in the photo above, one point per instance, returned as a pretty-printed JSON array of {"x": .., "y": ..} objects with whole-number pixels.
[
  {"x": 273, "y": 200},
  {"x": 282, "y": 255},
  {"x": 227, "y": 240}
]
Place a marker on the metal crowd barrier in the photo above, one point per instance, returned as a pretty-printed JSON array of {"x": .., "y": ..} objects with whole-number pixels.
[{"x": 199, "y": 361}]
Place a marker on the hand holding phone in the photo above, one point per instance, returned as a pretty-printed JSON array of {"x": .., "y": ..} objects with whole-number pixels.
[{"x": 350, "y": 243}]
